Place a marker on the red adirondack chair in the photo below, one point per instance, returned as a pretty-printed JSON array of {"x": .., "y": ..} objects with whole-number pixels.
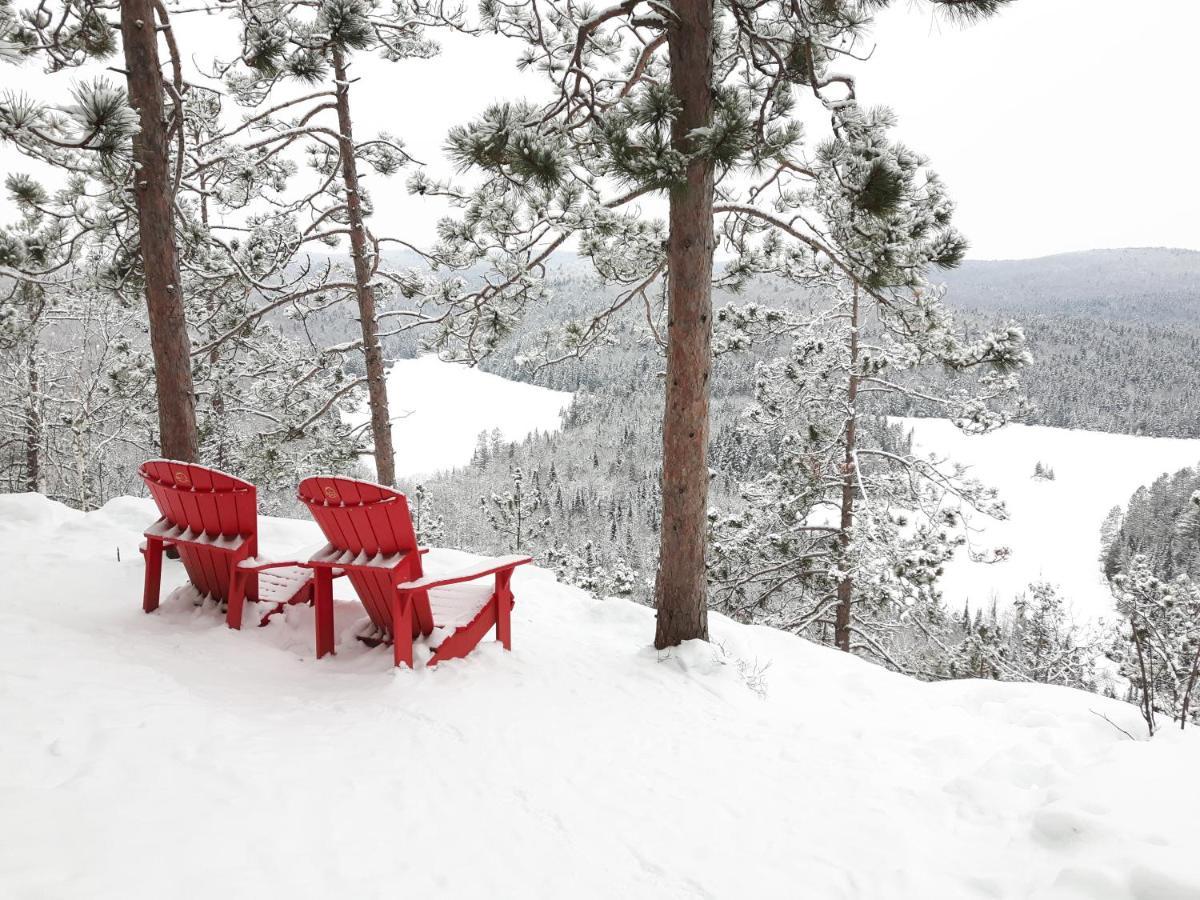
[
  {"x": 211, "y": 518},
  {"x": 372, "y": 542}
]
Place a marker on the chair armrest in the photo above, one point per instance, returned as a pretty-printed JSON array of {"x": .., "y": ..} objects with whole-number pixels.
[{"x": 484, "y": 567}]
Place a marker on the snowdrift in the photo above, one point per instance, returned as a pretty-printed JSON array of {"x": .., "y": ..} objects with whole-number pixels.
[{"x": 166, "y": 756}]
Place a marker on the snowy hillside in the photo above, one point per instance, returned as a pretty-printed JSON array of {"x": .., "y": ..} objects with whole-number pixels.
[
  {"x": 439, "y": 409},
  {"x": 1053, "y": 527},
  {"x": 164, "y": 755}
]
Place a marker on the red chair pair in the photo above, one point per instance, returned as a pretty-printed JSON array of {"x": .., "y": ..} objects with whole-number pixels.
[{"x": 212, "y": 519}]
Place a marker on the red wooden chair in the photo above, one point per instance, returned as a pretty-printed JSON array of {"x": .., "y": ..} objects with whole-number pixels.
[
  {"x": 372, "y": 542},
  {"x": 212, "y": 520}
]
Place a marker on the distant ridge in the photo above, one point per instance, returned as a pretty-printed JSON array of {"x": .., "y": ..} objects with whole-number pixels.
[
  {"x": 1146, "y": 285},
  {"x": 1151, "y": 285},
  {"x": 1102, "y": 251}
]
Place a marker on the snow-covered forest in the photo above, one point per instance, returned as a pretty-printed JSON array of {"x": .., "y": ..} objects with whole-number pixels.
[{"x": 674, "y": 332}]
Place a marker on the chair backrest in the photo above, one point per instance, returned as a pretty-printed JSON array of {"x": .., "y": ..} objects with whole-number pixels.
[
  {"x": 205, "y": 500},
  {"x": 212, "y": 505},
  {"x": 365, "y": 518},
  {"x": 359, "y": 516}
]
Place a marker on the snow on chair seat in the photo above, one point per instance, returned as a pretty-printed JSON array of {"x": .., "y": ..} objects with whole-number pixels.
[
  {"x": 176, "y": 534},
  {"x": 277, "y": 581},
  {"x": 453, "y": 602},
  {"x": 330, "y": 555},
  {"x": 456, "y": 605}
]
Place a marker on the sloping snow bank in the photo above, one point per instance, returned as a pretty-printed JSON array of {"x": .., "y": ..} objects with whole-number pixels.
[
  {"x": 439, "y": 409},
  {"x": 166, "y": 756},
  {"x": 1053, "y": 527}
]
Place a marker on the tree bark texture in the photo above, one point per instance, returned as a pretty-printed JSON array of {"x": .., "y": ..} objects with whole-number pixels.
[
  {"x": 33, "y": 423},
  {"x": 154, "y": 195},
  {"x": 381, "y": 425},
  {"x": 681, "y": 588},
  {"x": 845, "y": 590}
]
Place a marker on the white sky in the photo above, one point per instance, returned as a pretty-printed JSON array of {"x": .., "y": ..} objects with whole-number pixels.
[{"x": 1058, "y": 125}]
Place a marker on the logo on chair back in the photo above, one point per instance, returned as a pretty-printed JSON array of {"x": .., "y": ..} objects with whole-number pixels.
[
  {"x": 181, "y": 478},
  {"x": 330, "y": 493}
]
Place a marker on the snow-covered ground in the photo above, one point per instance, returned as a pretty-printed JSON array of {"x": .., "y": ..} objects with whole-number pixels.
[
  {"x": 439, "y": 408},
  {"x": 1053, "y": 529},
  {"x": 166, "y": 756}
]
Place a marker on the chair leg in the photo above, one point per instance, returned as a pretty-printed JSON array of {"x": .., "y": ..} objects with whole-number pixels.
[
  {"x": 324, "y": 609},
  {"x": 237, "y": 598},
  {"x": 154, "y": 555},
  {"x": 402, "y": 629},
  {"x": 504, "y": 609},
  {"x": 422, "y": 612}
]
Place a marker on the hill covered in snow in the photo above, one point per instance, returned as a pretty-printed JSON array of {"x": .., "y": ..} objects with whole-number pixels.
[
  {"x": 1053, "y": 529},
  {"x": 164, "y": 755},
  {"x": 1155, "y": 285},
  {"x": 439, "y": 409}
]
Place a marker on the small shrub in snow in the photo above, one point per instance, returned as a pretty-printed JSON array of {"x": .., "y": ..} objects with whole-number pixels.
[{"x": 1036, "y": 642}]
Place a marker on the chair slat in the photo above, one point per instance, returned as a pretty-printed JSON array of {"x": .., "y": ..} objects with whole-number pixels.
[
  {"x": 367, "y": 588},
  {"x": 245, "y": 510},
  {"x": 391, "y": 524},
  {"x": 361, "y": 523},
  {"x": 199, "y": 568},
  {"x": 227, "y": 504},
  {"x": 168, "y": 495},
  {"x": 206, "y": 500},
  {"x": 354, "y": 526},
  {"x": 370, "y": 493},
  {"x": 336, "y": 529}
]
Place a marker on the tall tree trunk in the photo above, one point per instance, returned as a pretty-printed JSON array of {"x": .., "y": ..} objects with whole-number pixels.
[
  {"x": 33, "y": 422},
  {"x": 381, "y": 425},
  {"x": 845, "y": 590},
  {"x": 681, "y": 588},
  {"x": 154, "y": 192}
]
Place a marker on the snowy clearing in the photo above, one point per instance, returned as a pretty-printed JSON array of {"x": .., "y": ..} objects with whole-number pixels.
[
  {"x": 164, "y": 755},
  {"x": 439, "y": 408},
  {"x": 1053, "y": 527}
]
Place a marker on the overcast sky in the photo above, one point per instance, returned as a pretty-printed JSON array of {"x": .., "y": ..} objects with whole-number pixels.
[{"x": 1058, "y": 125}]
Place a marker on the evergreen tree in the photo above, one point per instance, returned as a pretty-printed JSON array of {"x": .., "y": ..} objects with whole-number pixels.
[
  {"x": 263, "y": 403},
  {"x": 312, "y": 43},
  {"x": 692, "y": 102},
  {"x": 844, "y": 519},
  {"x": 518, "y": 513},
  {"x": 1047, "y": 647},
  {"x": 430, "y": 528},
  {"x": 1158, "y": 650},
  {"x": 121, "y": 141}
]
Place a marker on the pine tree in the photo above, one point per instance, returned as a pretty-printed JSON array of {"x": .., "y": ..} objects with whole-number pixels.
[
  {"x": 846, "y": 519},
  {"x": 263, "y": 402},
  {"x": 430, "y": 528},
  {"x": 122, "y": 141},
  {"x": 640, "y": 102},
  {"x": 312, "y": 43},
  {"x": 1047, "y": 647},
  {"x": 518, "y": 513},
  {"x": 1159, "y": 648}
]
